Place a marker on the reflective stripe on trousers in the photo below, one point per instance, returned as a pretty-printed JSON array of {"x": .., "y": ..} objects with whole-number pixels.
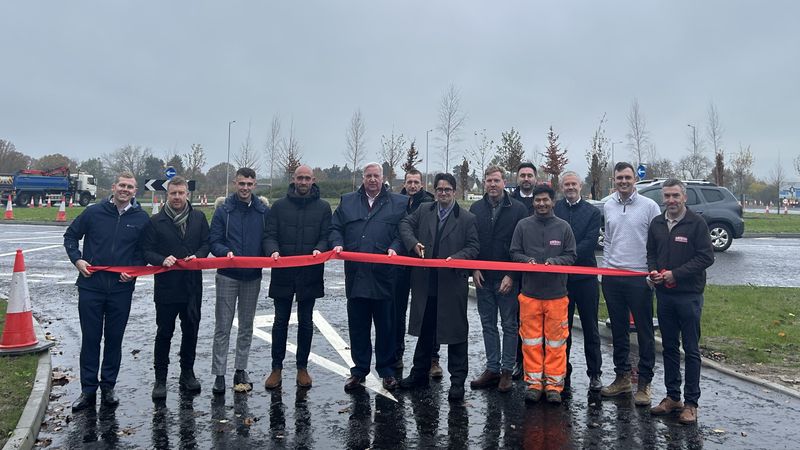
[{"x": 543, "y": 323}]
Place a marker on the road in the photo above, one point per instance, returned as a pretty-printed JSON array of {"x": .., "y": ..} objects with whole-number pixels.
[{"x": 733, "y": 413}]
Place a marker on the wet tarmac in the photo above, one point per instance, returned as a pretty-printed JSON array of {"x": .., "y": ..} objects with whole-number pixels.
[{"x": 733, "y": 413}]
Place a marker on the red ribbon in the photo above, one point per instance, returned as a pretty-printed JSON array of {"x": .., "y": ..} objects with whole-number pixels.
[{"x": 253, "y": 262}]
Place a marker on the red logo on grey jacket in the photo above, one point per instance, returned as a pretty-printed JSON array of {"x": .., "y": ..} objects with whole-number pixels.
[{"x": 555, "y": 242}]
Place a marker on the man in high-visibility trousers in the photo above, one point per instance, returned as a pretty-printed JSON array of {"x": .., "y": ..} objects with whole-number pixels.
[{"x": 545, "y": 239}]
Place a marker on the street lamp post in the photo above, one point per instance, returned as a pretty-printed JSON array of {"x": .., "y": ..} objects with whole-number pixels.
[
  {"x": 427, "y": 157},
  {"x": 228, "y": 160}
]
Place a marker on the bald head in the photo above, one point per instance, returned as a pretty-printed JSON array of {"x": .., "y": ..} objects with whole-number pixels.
[{"x": 303, "y": 178}]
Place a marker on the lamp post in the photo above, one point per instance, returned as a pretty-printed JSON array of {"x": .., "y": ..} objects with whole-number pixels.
[
  {"x": 426, "y": 157},
  {"x": 612, "y": 152},
  {"x": 228, "y": 160}
]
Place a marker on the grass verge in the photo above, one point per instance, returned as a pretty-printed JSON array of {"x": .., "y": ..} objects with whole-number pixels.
[
  {"x": 771, "y": 223},
  {"x": 16, "y": 380}
]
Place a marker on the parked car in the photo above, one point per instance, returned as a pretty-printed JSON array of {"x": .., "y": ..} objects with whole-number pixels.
[{"x": 720, "y": 209}]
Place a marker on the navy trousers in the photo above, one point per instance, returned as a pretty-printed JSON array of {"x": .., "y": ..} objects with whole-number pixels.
[
  {"x": 102, "y": 317},
  {"x": 585, "y": 295},
  {"x": 280, "y": 330},
  {"x": 361, "y": 314},
  {"x": 679, "y": 320}
]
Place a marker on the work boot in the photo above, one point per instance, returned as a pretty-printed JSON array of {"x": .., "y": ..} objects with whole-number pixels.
[
  {"x": 160, "y": 389},
  {"x": 688, "y": 415},
  {"x": 642, "y": 395},
  {"x": 533, "y": 395},
  {"x": 505, "y": 384},
  {"x": 241, "y": 377},
  {"x": 274, "y": 379},
  {"x": 595, "y": 383},
  {"x": 219, "y": 385},
  {"x": 84, "y": 401},
  {"x": 486, "y": 380},
  {"x": 303, "y": 378},
  {"x": 553, "y": 396},
  {"x": 413, "y": 382},
  {"x": 667, "y": 406},
  {"x": 436, "y": 369},
  {"x": 108, "y": 397},
  {"x": 620, "y": 386},
  {"x": 456, "y": 393},
  {"x": 188, "y": 381}
]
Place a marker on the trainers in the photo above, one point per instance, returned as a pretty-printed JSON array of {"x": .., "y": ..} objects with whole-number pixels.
[
  {"x": 688, "y": 415},
  {"x": 533, "y": 395},
  {"x": 642, "y": 395},
  {"x": 159, "y": 390},
  {"x": 241, "y": 377},
  {"x": 485, "y": 380},
  {"x": 621, "y": 385},
  {"x": 666, "y": 406},
  {"x": 436, "y": 369},
  {"x": 505, "y": 384},
  {"x": 303, "y": 378},
  {"x": 553, "y": 396},
  {"x": 274, "y": 379},
  {"x": 188, "y": 381}
]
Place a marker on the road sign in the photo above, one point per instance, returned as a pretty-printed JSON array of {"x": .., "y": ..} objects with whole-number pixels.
[
  {"x": 161, "y": 185},
  {"x": 641, "y": 171},
  {"x": 170, "y": 172}
]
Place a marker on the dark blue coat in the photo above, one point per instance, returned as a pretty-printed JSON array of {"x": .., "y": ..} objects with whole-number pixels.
[
  {"x": 585, "y": 221},
  {"x": 238, "y": 227},
  {"x": 109, "y": 239},
  {"x": 357, "y": 228},
  {"x": 495, "y": 235}
]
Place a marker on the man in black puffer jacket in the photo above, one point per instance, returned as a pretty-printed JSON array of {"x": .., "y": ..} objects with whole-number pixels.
[{"x": 297, "y": 225}]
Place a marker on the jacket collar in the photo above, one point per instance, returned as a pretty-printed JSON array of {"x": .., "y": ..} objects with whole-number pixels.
[
  {"x": 256, "y": 203},
  {"x": 505, "y": 202},
  {"x": 291, "y": 194},
  {"x": 435, "y": 207}
]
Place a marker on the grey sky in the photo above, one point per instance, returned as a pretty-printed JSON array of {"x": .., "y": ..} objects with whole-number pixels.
[{"x": 85, "y": 78}]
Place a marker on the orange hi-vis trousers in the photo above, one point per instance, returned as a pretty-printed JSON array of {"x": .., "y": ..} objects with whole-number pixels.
[{"x": 544, "y": 329}]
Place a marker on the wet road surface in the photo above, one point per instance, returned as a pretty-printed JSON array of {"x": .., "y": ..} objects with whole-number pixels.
[{"x": 733, "y": 414}]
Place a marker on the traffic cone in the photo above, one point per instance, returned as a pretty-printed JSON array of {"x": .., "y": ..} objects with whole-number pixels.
[
  {"x": 32, "y": 204},
  {"x": 9, "y": 209},
  {"x": 41, "y": 202},
  {"x": 71, "y": 202},
  {"x": 61, "y": 216},
  {"x": 19, "y": 319},
  {"x": 155, "y": 205},
  {"x": 48, "y": 202}
]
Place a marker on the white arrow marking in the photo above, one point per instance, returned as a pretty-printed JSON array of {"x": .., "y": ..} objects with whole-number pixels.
[
  {"x": 32, "y": 250},
  {"x": 148, "y": 185}
]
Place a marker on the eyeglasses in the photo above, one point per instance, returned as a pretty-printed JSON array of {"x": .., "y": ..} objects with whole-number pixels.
[{"x": 444, "y": 190}]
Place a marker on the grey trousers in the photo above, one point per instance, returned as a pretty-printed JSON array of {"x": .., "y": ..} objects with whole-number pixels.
[{"x": 228, "y": 292}]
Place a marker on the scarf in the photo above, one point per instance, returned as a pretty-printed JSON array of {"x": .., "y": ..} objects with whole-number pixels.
[{"x": 179, "y": 218}]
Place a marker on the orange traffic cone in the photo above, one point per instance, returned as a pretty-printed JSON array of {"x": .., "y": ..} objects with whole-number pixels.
[
  {"x": 19, "y": 319},
  {"x": 71, "y": 203},
  {"x": 41, "y": 202},
  {"x": 61, "y": 216},
  {"x": 155, "y": 205},
  {"x": 9, "y": 209},
  {"x": 32, "y": 204},
  {"x": 48, "y": 202}
]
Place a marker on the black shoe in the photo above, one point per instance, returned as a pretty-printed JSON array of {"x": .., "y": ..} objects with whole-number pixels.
[
  {"x": 353, "y": 383},
  {"x": 567, "y": 384},
  {"x": 241, "y": 377},
  {"x": 390, "y": 383},
  {"x": 516, "y": 374},
  {"x": 160, "y": 390},
  {"x": 219, "y": 385},
  {"x": 412, "y": 382},
  {"x": 595, "y": 383},
  {"x": 108, "y": 397},
  {"x": 188, "y": 381},
  {"x": 84, "y": 401},
  {"x": 456, "y": 393}
]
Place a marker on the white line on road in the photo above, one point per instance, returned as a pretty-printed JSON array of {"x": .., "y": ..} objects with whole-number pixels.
[{"x": 29, "y": 250}]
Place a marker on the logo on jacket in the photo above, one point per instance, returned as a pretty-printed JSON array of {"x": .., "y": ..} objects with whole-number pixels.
[
  {"x": 681, "y": 239},
  {"x": 555, "y": 242}
]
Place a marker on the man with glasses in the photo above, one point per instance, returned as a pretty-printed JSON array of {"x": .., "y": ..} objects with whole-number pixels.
[
  {"x": 439, "y": 296},
  {"x": 111, "y": 232},
  {"x": 237, "y": 228}
]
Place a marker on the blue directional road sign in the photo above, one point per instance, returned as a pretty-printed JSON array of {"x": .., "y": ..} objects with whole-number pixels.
[
  {"x": 641, "y": 171},
  {"x": 170, "y": 172}
]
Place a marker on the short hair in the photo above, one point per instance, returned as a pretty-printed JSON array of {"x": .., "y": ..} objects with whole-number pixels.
[
  {"x": 569, "y": 173},
  {"x": 124, "y": 174},
  {"x": 544, "y": 189},
  {"x": 373, "y": 164},
  {"x": 411, "y": 172},
  {"x": 622, "y": 165},
  {"x": 527, "y": 165},
  {"x": 446, "y": 177},
  {"x": 178, "y": 180},
  {"x": 675, "y": 182},
  {"x": 493, "y": 169},
  {"x": 246, "y": 172}
]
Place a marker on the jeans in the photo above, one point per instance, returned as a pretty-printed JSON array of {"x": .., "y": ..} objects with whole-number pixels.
[
  {"x": 490, "y": 301},
  {"x": 624, "y": 294},
  {"x": 679, "y": 318},
  {"x": 280, "y": 330}
]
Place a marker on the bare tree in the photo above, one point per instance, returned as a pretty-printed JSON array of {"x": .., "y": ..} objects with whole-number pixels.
[
  {"x": 392, "y": 152},
  {"x": 247, "y": 156},
  {"x": 130, "y": 158},
  {"x": 777, "y": 174},
  {"x": 742, "y": 170},
  {"x": 272, "y": 148},
  {"x": 638, "y": 136},
  {"x": 797, "y": 164},
  {"x": 355, "y": 139},
  {"x": 696, "y": 164},
  {"x": 597, "y": 159},
  {"x": 714, "y": 135},
  {"x": 12, "y": 160},
  {"x": 451, "y": 120},
  {"x": 194, "y": 161},
  {"x": 482, "y": 153},
  {"x": 290, "y": 155},
  {"x": 555, "y": 158}
]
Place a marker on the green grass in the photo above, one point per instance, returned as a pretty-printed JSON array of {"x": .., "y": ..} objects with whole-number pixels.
[
  {"x": 16, "y": 380},
  {"x": 771, "y": 223},
  {"x": 749, "y": 325}
]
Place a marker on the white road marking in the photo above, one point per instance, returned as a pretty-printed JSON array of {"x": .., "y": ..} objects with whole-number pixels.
[{"x": 29, "y": 250}]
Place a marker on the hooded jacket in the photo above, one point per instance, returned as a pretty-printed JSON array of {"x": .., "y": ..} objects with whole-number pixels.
[{"x": 238, "y": 227}]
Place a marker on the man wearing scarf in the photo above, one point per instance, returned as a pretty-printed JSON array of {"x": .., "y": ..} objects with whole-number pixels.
[{"x": 178, "y": 232}]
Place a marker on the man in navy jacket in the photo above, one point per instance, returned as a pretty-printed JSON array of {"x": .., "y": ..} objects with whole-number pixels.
[
  {"x": 366, "y": 221},
  {"x": 111, "y": 231}
]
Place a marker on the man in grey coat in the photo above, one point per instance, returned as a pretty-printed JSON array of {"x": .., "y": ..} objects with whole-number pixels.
[{"x": 439, "y": 296}]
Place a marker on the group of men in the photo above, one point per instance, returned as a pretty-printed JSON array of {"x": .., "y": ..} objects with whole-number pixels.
[{"x": 535, "y": 307}]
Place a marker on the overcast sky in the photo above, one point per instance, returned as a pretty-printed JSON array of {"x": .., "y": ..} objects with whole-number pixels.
[{"x": 85, "y": 78}]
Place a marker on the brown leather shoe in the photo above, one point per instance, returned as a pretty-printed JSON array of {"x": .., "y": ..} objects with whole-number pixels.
[
  {"x": 273, "y": 380},
  {"x": 688, "y": 415},
  {"x": 303, "y": 378},
  {"x": 436, "y": 369},
  {"x": 390, "y": 383},
  {"x": 353, "y": 383},
  {"x": 667, "y": 406},
  {"x": 486, "y": 380},
  {"x": 505, "y": 384}
]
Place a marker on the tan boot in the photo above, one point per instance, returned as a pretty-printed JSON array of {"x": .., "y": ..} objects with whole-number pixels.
[
  {"x": 642, "y": 395},
  {"x": 303, "y": 378},
  {"x": 688, "y": 415},
  {"x": 667, "y": 406},
  {"x": 621, "y": 385},
  {"x": 273, "y": 380}
]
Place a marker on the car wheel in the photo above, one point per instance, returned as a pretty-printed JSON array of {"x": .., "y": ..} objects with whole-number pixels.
[
  {"x": 84, "y": 200},
  {"x": 721, "y": 236}
]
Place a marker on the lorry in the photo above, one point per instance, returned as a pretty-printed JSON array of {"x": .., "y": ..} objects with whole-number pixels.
[{"x": 40, "y": 185}]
